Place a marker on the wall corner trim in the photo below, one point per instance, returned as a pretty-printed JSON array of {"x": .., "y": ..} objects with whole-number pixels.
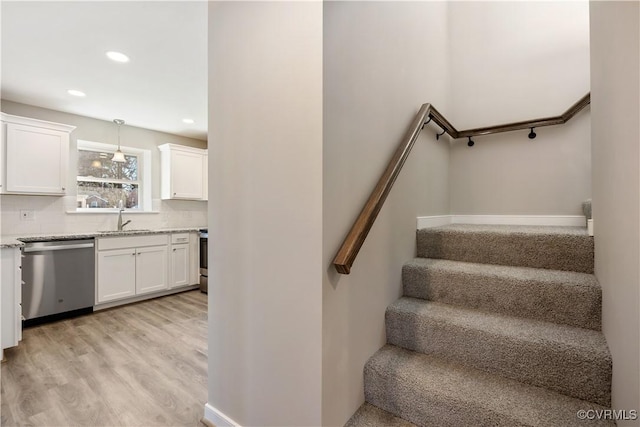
[
  {"x": 549, "y": 220},
  {"x": 217, "y": 418}
]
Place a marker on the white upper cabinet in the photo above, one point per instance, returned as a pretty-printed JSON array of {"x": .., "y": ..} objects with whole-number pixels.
[
  {"x": 182, "y": 172},
  {"x": 3, "y": 156},
  {"x": 35, "y": 156},
  {"x": 205, "y": 176}
]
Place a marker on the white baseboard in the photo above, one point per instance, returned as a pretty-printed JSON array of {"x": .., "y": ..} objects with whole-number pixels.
[
  {"x": 216, "y": 417},
  {"x": 552, "y": 220},
  {"x": 434, "y": 221}
]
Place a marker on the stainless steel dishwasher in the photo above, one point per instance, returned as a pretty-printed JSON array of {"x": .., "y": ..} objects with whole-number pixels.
[{"x": 58, "y": 279}]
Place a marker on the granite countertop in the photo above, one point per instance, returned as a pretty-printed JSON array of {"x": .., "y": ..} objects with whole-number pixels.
[{"x": 19, "y": 240}]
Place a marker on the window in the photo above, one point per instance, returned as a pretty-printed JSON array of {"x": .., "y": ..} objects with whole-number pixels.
[{"x": 104, "y": 184}]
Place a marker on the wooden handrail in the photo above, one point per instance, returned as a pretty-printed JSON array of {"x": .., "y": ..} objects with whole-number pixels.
[
  {"x": 548, "y": 121},
  {"x": 353, "y": 242}
]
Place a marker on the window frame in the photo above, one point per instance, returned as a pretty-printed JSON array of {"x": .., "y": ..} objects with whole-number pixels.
[{"x": 143, "y": 181}]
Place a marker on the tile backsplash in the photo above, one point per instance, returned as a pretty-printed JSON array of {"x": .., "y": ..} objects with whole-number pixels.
[{"x": 57, "y": 215}]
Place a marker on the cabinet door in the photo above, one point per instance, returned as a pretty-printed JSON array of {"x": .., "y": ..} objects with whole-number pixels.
[
  {"x": 37, "y": 159},
  {"x": 10, "y": 293},
  {"x": 194, "y": 258},
  {"x": 205, "y": 177},
  {"x": 186, "y": 175},
  {"x": 116, "y": 274},
  {"x": 151, "y": 269},
  {"x": 179, "y": 265},
  {"x": 3, "y": 157}
]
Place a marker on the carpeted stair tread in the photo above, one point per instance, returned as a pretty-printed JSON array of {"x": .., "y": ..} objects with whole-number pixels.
[
  {"x": 564, "y": 297},
  {"x": 372, "y": 416},
  {"x": 429, "y": 391},
  {"x": 573, "y": 361},
  {"x": 556, "y": 248}
]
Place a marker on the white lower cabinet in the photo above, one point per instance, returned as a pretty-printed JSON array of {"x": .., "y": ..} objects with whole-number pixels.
[
  {"x": 116, "y": 274},
  {"x": 131, "y": 266},
  {"x": 151, "y": 270},
  {"x": 180, "y": 260},
  {"x": 10, "y": 297},
  {"x": 179, "y": 265},
  {"x": 194, "y": 258}
]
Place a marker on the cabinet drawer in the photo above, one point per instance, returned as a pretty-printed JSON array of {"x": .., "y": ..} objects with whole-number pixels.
[
  {"x": 105, "y": 243},
  {"x": 178, "y": 238}
]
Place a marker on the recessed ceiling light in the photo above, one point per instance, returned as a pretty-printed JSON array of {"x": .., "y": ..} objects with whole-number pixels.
[
  {"x": 117, "y": 56},
  {"x": 189, "y": 121},
  {"x": 76, "y": 92}
]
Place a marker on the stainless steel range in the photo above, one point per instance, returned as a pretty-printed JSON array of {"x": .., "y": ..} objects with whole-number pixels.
[{"x": 204, "y": 254}]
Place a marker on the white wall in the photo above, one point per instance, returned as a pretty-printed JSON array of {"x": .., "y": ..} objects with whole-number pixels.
[
  {"x": 51, "y": 211},
  {"x": 382, "y": 60},
  {"x": 615, "y": 59},
  {"x": 513, "y": 61},
  {"x": 265, "y": 216}
]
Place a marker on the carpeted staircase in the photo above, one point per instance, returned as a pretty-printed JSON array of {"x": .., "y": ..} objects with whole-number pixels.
[{"x": 498, "y": 326}]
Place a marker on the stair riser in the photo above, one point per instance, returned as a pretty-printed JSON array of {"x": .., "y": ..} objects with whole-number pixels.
[
  {"x": 578, "y": 306},
  {"x": 403, "y": 400},
  {"x": 556, "y": 252},
  {"x": 565, "y": 370}
]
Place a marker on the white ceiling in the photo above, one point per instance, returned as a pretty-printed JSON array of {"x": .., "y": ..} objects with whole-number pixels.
[{"x": 50, "y": 47}]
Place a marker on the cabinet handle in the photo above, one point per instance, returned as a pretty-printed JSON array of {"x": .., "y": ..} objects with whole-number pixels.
[
  {"x": 63, "y": 188},
  {"x": 133, "y": 254}
]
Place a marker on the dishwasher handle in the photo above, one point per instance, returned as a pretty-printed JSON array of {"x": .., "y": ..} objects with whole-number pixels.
[{"x": 57, "y": 248}]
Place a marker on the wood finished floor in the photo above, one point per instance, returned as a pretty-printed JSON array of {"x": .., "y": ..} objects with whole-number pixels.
[{"x": 143, "y": 364}]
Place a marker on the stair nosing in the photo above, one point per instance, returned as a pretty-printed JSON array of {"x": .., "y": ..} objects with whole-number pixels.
[
  {"x": 532, "y": 325},
  {"x": 511, "y": 390},
  {"x": 577, "y": 279}
]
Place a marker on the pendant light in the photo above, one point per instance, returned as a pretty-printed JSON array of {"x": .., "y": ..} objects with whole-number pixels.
[{"x": 118, "y": 156}]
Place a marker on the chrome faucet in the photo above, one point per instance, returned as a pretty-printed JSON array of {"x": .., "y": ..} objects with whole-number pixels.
[{"x": 120, "y": 223}]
